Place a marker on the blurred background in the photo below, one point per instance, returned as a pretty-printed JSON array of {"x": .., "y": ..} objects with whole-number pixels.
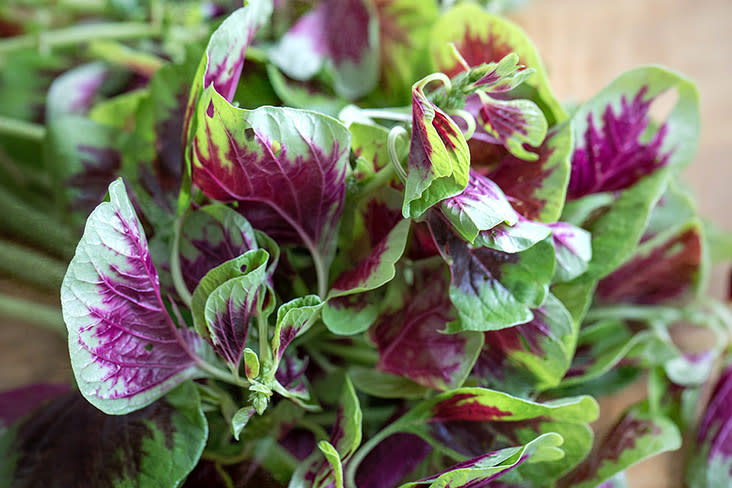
[{"x": 584, "y": 45}]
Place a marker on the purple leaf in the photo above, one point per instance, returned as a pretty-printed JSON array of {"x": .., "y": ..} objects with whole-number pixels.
[
  {"x": 227, "y": 299},
  {"x": 481, "y": 206},
  {"x": 18, "y": 403},
  {"x": 660, "y": 272},
  {"x": 637, "y": 436},
  {"x": 715, "y": 432},
  {"x": 76, "y": 91},
  {"x": 490, "y": 289},
  {"x": 391, "y": 460},
  {"x": 211, "y": 236},
  {"x": 536, "y": 189},
  {"x": 68, "y": 442},
  {"x": 410, "y": 335},
  {"x": 511, "y": 123},
  {"x": 126, "y": 351}
]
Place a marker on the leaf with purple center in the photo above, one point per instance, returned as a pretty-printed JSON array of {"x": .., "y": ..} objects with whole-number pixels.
[
  {"x": 219, "y": 70},
  {"x": 490, "y": 289},
  {"x": 481, "y": 37},
  {"x": 76, "y": 91},
  {"x": 468, "y": 422},
  {"x": 323, "y": 469},
  {"x": 157, "y": 445},
  {"x": 637, "y": 436},
  {"x": 630, "y": 156},
  {"x": 480, "y": 207},
  {"x": 573, "y": 248},
  {"x": 409, "y": 333},
  {"x": 664, "y": 269},
  {"x": 285, "y": 168},
  {"x": 536, "y": 189},
  {"x": 513, "y": 238},
  {"x": 481, "y": 470},
  {"x": 227, "y": 299},
  {"x": 294, "y": 318},
  {"x": 211, "y": 236},
  {"x": 710, "y": 464},
  {"x": 125, "y": 349},
  {"x": 342, "y": 34},
  {"x": 542, "y": 348},
  {"x": 617, "y": 142},
  {"x": 511, "y": 123},
  {"x": 439, "y": 160}
]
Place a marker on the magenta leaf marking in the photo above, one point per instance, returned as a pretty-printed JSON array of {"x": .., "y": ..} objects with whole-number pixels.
[
  {"x": 294, "y": 318},
  {"x": 715, "y": 429},
  {"x": 573, "y": 249},
  {"x": 615, "y": 156},
  {"x": 125, "y": 349},
  {"x": 411, "y": 339}
]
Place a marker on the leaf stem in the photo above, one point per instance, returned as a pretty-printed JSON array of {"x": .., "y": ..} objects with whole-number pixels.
[
  {"x": 175, "y": 270},
  {"x": 629, "y": 312},
  {"x": 28, "y": 224},
  {"x": 391, "y": 139},
  {"x": 386, "y": 114},
  {"x": 32, "y": 312},
  {"x": 360, "y": 354},
  {"x": 20, "y": 128},
  {"x": 31, "y": 266},
  {"x": 120, "y": 55},
  {"x": 78, "y": 34}
]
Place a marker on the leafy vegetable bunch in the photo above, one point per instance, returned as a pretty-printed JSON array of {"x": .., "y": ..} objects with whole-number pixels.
[{"x": 293, "y": 284}]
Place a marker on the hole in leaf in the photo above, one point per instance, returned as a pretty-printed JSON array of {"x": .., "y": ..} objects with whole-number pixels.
[
  {"x": 249, "y": 134},
  {"x": 149, "y": 347},
  {"x": 243, "y": 268}
]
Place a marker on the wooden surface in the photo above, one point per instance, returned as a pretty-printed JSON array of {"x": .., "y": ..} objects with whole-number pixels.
[
  {"x": 587, "y": 43},
  {"x": 584, "y": 44}
]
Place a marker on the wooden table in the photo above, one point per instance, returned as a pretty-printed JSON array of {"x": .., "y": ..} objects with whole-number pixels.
[
  {"x": 587, "y": 43},
  {"x": 584, "y": 44}
]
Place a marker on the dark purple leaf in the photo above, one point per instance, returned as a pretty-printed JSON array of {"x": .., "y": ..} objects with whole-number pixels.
[
  {"x": 18, "y": 403},
  {"x": 391, "y": 460},
  {"x": 660, "y": 272},
  {"x": 410, "y": 335},
  {"x": 68, "y": 442}
]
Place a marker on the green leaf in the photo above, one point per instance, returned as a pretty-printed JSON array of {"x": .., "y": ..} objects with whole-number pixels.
[
  {"x": 385, "y": 385},
  {"x": 638, "y": 435},
  {"x": 240, "y": 420},
  {"x": 156, "y": 446},
  {"x": 488, "y": 467},
  {"x": 294, "y": 318}
]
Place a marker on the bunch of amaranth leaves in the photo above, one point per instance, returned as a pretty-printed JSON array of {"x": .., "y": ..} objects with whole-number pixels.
[{"x": 292, "y": 283}]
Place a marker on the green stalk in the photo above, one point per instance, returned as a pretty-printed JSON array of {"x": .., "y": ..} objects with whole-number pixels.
[
  {"x": 20, "y": 128},
  {"x": 78, "y": 34},
  {"x": 31, "y": 266},
  {"x": 25, "y": 223},
  {"x": 44, "y": 316},
  {"x": 120, "y": 55}
]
